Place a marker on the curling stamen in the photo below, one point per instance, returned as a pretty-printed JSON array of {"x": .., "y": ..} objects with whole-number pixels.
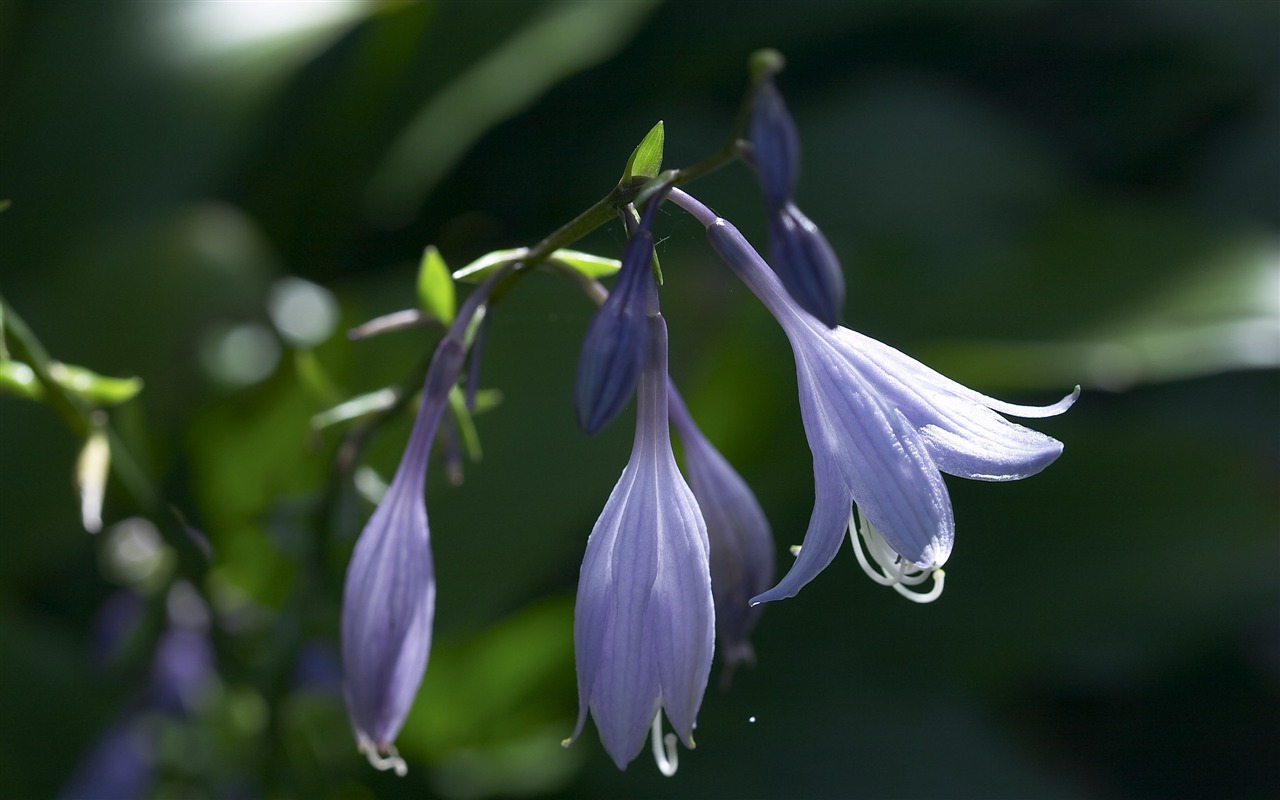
[
  {"x": 388, "y": 759},
  {"x": 664, "y": 748},
  {"x": 893, "y": 569}
]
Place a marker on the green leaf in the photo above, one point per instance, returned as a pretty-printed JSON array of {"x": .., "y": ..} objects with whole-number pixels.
[
  {"x": 646, "y": 159},
  {"x": 435, "y": 286},
  {"x": 586, "y": 264},
  {"x": 466, "y": 426},
  {"x": 355, "y": 408},
  {"x": 92, "y": 387},
  {"x": 18, "y": 379},
  {"x": 478, "y": 269}
]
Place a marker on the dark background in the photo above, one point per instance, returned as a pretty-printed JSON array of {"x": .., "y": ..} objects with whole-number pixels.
[{"x": 1025, "y": 195}]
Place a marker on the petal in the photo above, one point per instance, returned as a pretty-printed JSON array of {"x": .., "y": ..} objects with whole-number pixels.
[
  {"x": 825, "y": 534},
  {"x": 617, "y": 676},
  {"x": 884, "y": 459},
  {"x": 388, "y": 605},
  {"x": 742, "y": 548},
  {"x": 683, "y": 612},
  {"x": 896, "y": 362},
  {"x": 963, "y": 435}
]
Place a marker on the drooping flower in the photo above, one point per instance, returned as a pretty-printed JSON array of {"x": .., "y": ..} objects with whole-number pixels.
[
  {"x": 883, "y": 428},
  {"x": 798, "y": 252},
  {"x": 390, "y": 591},
  {"x": 644, "y": 620},
  {"x": 742, "y": 546},
  {"x": 389, "y": 595}
]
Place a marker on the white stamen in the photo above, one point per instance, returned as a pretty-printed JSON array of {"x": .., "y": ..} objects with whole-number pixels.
[
  {"x": 894, "y": 570},
  {"x": 667, "y": 758},
  {"x": 388, "y": 759}
]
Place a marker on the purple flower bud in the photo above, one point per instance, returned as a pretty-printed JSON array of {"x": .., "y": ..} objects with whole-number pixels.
[
  {"x": 742, "y": 546},
  {"x": 644, "y": 620},
  {"x": 808, "y": 267},
  {"x": 613, "y": 349},
  {"x": 775, "y": 144},
  {"x": 390, "y": 591}
]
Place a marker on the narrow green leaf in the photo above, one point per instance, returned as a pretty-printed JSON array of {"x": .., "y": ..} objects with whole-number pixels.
[
  {"x": 586, "y": 264},
  {"x": 355, "y": 408},
  {"x": 478, "y": 269},
  {"x": 466, "y": 426},
  {"x": 646, "y": 159},
  {"x": 92, "y": 387},
  {"x": 435, "y": 286},
  {"x": 18, "y": 379}
]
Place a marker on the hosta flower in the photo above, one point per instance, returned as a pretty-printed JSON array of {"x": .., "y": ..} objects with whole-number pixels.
[
  {"x": 388, "y": 602},
  {"x": 883, "y": 428},
  {"x": 644, "y": 620},
  {"x": 390, "y": 592},
  {"x": 742, "y": 547}
]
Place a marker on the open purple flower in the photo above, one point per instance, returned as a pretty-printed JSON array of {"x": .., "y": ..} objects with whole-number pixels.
[
  {"x": 644, "y": 620},
  {"x": 883, "y": 428},
  {"x": 742, "y": 546}
]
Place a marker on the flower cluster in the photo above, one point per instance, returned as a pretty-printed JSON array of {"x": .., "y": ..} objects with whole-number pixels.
[{"x": 680, "y": 560}]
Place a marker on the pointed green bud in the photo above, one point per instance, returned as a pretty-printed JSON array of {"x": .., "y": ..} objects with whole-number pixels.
[
  {"x": 586, "y": 264},
  {"x": 435, "y": 286},
  {"x": 646, "y": 159}
]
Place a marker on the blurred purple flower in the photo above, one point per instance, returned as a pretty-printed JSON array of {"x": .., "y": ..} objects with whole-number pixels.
[
  {"x": 882, "y": 428},
  {"x": 644, "y": 620},
  {"x": 118, "y": 766},
  {"x": 742, "y": 546},
  {"x": 182, "y": 669}
]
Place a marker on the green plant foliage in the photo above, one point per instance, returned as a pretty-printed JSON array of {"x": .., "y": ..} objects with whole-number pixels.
[
  {"x": 645, "y": 161},
  {"x": 435, "y": 286}
]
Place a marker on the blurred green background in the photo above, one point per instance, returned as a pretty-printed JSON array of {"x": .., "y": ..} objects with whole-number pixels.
[{"x": 1025, "y": 195}]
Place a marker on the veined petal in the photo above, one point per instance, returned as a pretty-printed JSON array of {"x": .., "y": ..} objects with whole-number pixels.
[
  {"x": 895, "y": 362},
  {"x": 883, "y": 457},
  {"x": 683, "y": 612},
  {"x": 962, "y": 433},
  {"x": 742, "y": 547},
  {"x": 825, "y": 534},
  {"x": 389, "y": 600}
]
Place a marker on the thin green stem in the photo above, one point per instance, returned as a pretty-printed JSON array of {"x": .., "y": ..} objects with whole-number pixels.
[{"x": 26, "y": 347}]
